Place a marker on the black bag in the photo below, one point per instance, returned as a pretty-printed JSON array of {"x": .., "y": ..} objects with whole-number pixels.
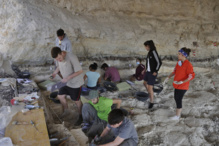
[
  {"x": 52, "y": 97},
  {"x": 158, "y": 88},
  {"x": 110, "y": 86},
  {"x": 101, "y": 89},
  {"x": 19, "y": 73},
  {"x": 85, "y": 91},
  {"x": 141, "y": 96}
]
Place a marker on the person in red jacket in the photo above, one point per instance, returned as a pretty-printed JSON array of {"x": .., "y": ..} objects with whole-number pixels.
[
  {"x": 139, "y": 72},
  {"x": 183, "y": 73}
]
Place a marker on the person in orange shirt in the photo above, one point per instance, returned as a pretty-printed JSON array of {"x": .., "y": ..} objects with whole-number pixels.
[{"x": 183, "y": 73}]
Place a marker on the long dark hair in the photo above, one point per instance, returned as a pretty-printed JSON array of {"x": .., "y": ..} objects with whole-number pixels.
[{"x": 151, "y": 45}]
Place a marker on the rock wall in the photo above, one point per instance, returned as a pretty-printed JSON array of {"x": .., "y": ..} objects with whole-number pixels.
[{"x": 100, "y": 28}]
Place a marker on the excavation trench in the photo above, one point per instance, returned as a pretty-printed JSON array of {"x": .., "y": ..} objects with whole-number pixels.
[{"x": 199, "y": 118}]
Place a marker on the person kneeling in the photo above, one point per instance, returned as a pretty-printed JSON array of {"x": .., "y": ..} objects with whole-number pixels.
[
  {"x": 120, "y": 131},
  {"x": 95, "y": 113},
  {"x": 139, "y": 72}
]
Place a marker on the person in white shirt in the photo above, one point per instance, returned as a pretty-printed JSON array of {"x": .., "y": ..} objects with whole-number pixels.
[{"x": 63, "y": 42}]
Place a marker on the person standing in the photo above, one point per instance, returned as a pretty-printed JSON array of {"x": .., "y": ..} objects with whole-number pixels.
[
  {"x": 183, "y": 73},
  {"x": 62, "y": 41},
  {"x": 153, "y": 64},
  {"x": 71, "y": 70}
]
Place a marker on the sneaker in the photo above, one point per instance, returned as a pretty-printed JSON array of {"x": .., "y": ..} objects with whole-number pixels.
[
  {"x": 174, "y": 118},
  {"x": 150, "y": 105},
  {"x": 79, "y": 121}
]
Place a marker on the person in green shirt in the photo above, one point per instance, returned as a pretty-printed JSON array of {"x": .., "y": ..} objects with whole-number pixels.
[{"x": 95, "y": 113}]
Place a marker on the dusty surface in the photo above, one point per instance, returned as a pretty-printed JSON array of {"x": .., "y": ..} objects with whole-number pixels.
[
  {"x": 198, "y": 124},
  {"x": 100, "y": 28},
  {"x": 114, "y": 32}
]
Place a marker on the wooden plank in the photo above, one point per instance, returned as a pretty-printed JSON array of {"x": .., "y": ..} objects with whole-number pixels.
[{"x": 26, "y": 135}]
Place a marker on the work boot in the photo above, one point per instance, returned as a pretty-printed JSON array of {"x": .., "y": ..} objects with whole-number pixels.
[
  {"x": 150, "y": 105},
  {"x": 79, "y": 121}
]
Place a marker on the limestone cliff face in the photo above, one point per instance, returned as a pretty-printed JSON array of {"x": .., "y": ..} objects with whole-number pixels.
[{"x": 102, "y": 28}]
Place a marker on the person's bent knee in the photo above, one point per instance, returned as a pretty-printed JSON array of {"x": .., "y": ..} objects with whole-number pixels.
[
  {"x": 61, "y": 97},
  {"x": 86, "y": 106}
]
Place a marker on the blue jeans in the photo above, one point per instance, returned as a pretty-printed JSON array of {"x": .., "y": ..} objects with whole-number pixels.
[{"x": 89, "y": 115}]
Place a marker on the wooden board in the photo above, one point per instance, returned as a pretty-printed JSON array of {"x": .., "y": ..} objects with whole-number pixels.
[{"x": 27, "y": 135}]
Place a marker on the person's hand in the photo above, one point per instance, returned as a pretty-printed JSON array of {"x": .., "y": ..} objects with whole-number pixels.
[
  {"x": 64, "y": 80},
  {"x": 154, "y": 74},
  {"x": 178, "y": 82},
  {"x": 143, "y": 72},
  {"x": 53, "y": 76},
  {"x": 166, "y": 80},
  {"x": 97, "y": 139}
]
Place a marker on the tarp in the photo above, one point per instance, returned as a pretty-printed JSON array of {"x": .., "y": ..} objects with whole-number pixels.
[
  {"x": 46, "y": 85},
  {"x": 123, "y": 86}
]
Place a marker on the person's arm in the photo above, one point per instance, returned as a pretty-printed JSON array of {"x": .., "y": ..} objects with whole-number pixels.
[
  {"x": 105, "y": 131},
  {"x": 117, "y": 102},
  {"x": 85, "y": 77},
  {"x": 55, "y": 72},
  {"x": 158, "y": 62},
  {"x": 57, "y": 42},
  {"x": 71, "y": 76},
  {"x": 105, "y": 78},
  {"x": 116, "y": 142},
  {"x": 68, "y": 47},
  {"x": 99, "y": 80},
  {"x": 143, "y": 69},
  {"x": 188, "y": 79},
  {"x": 172, "y": 74},
  {"x": 138, "y": 71},
  {"x": 191, "y": 74},
  {"x": 106, "y": 75}
]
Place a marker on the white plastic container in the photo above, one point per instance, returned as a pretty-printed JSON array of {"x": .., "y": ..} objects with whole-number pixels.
[
  {"x": 4, "y": 116},
  {"x": 6, "y": 141}
]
